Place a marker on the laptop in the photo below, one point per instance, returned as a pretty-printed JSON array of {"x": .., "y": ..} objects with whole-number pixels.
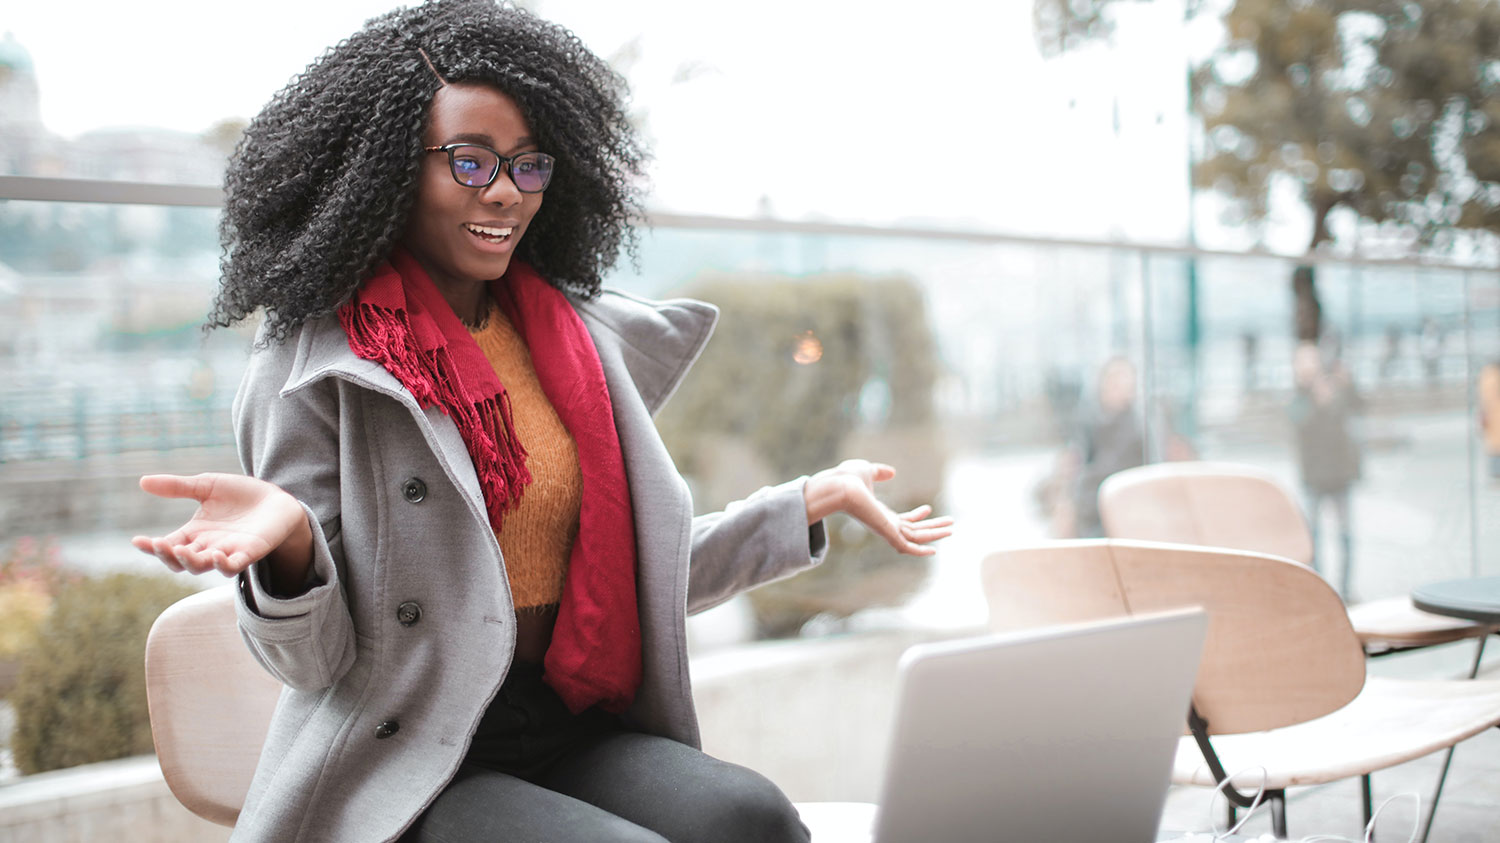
[{"x": 1064, "y": 733}]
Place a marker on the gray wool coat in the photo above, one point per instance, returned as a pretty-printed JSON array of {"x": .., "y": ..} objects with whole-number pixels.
[{"x": 392, "y": 656}]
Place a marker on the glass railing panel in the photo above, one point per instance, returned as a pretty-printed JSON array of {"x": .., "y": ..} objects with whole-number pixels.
[
  {"x": 105, "y": 374},
  {"x": 104, "y": 353},
  {"x": 1392, "y": 429}
]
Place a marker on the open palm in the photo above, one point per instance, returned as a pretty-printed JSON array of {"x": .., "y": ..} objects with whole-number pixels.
[
  {"x": 850, "y": 487},
  {"x": 239, "y": 520}
]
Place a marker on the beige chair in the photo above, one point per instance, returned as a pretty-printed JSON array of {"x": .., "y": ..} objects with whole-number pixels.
[
  {"x": 211, "y": 706},
  {"x": 1282, "y": 683},
  {"x": 1242, "y": 507}
]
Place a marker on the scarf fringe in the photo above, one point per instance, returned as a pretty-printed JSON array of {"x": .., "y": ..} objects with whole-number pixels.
[{"x": 384, "y": 336}]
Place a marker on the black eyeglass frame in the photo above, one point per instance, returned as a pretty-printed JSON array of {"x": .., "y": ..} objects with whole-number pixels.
[{"x": 505, "y": 164}]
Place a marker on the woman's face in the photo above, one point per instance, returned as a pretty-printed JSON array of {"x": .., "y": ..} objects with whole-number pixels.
[{"x": 466, "y": 235}]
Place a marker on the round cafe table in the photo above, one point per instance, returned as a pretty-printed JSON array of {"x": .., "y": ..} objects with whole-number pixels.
[{"x": 1474, "y": 598}]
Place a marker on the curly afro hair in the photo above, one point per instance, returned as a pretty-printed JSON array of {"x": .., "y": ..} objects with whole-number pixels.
[{"x": 320, "y": 187}]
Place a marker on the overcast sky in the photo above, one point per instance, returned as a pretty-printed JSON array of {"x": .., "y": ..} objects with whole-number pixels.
[{"x": 940, "y": 112}]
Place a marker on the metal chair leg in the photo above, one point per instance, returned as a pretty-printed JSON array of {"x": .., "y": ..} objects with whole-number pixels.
[
  {"x": 1277, "y": 798},
  {"x": 1448, "y": 758},
  {"x": 1478, "y": 656},
  {"x": 1364, "y": 792},
  {"x": 1436, "y": 795}
]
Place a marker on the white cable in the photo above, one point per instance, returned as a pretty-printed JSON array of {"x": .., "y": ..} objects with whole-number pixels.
[
  {"x": 1220, "y": 834},
  {"x": 1416, "y": 818},
  {"x": 1369, "y": 835}
]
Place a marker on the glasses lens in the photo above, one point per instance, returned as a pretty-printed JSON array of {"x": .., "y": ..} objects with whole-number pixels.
[
  {"x": 474, "y": 165},
  {"x": 531, "y": 171}
]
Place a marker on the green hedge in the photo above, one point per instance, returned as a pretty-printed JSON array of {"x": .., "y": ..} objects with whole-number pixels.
[
  {"x": 801, "y": 373},
  {"x": 81, "y": 693}
]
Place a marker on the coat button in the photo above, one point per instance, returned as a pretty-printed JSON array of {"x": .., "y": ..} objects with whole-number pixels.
[
  {"x": 408, "y": 613},
  {"x": 386, "y": 729},
  {"x": 414, "y": 490}
]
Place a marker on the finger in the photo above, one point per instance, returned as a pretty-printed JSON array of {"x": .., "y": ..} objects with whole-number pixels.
[
  {"x": 146, "y": 545},
  {"x": 194, "y": 561},
  {"x": 920, "y": 512},
  {"x": 196, "y": 487},
  {"x": 163, "y": 551},
  {"x": 944, "y": 521},
  {"x": 883, "y": 472},
  {"x": 222, "y": 563},
  {"x": 927, "y": 536},
  {"x": 914, "y": 549}
]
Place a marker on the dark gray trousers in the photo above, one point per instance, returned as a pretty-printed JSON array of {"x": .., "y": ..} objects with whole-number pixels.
[{"x": 536, "y": 773}]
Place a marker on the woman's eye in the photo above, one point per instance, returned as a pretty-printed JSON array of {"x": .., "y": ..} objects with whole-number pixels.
[
  {"x": 525, "y": 166},
  {"x": 467, "y": 165}
]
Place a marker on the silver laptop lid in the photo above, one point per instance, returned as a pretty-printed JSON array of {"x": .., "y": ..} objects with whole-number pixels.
[{"x": 1060, "y": 733}]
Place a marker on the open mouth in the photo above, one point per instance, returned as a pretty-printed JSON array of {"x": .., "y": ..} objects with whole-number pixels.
[{"x": 489, "y": 234}]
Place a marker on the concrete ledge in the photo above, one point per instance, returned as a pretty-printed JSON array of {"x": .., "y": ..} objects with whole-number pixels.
[
  {"x": 123, "y": 801},
  {"x": 810, "y": 715}
]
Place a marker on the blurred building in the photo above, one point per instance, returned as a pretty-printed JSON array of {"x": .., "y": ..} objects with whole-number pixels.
[
  {"x": 25, "y": 145},
  {"x": 143, "y": 154}
]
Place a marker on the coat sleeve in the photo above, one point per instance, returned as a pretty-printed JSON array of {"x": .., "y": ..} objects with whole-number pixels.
[
  {"x": 754, "y": 541},
  {"x": 306, "y": 641}
]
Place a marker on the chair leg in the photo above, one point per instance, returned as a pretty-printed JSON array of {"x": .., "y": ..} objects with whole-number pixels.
[
  {"x": 1277, "y": 798},
  {"x": 1478, "y": 656},
  {"x": 1233, "y": 814},
  {"x": 1437, "y": 794},
  {"x": 1369, "y": 804},
  {"x": 1448, "y": 758}
]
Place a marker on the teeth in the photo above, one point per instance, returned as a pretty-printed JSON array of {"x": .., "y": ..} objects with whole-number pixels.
[{"x": 488, "y": 231}]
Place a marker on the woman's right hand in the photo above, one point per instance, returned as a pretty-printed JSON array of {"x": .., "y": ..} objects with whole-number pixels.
[{"x": 240, "y": 520}]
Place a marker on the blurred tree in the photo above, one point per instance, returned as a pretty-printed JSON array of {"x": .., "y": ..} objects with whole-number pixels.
[
  {"x": 225, "y": 135},
  {"x": 1386, "y": 109},
  {"x": 801, "y": 374}
]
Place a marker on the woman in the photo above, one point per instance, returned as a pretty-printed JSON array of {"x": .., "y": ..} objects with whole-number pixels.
[{"x": 461, "y": 544}]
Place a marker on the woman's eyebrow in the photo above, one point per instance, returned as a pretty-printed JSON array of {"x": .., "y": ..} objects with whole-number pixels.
[
  {"x": 471, "y": 137},
  {"x": 485, "y": 140}
]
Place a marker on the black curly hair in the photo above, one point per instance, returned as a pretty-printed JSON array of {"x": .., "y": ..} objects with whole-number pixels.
[{"x": 319, "y": 188}]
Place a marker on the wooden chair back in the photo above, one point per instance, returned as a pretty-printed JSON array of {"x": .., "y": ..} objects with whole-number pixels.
[
  {"x": 1280, "y": 649},
  {"x": 210, "y": 704},
  {"x": 1205, "y": 503}
]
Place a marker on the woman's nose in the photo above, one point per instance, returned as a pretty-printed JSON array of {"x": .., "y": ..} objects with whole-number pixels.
[{"x": 501, "y": 191}]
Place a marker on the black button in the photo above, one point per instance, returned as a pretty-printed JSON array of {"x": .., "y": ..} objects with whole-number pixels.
[
  {"x": 386, "y": 729},
  {"x": 414, "y": 490},
  {"x": 408, "y": 613}
]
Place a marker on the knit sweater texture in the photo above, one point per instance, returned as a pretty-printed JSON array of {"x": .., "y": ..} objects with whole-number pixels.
[{"x": 538, "y": 535}]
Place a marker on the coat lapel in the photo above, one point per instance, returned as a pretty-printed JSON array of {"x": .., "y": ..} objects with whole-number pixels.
[{"x": 324, "y": 352}]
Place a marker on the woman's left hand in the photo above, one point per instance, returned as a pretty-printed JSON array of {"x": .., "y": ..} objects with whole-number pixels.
[{"x": 850, "y": 487}]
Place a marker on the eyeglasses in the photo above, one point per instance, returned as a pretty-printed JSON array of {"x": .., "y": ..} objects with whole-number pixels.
[{"x": 477, "y": 166}]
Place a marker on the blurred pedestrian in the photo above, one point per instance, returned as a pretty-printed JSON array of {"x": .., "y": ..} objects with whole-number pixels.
[
  {"x": 1391, "y": 354},
  {"x": 1109, "y": 438},
  {"x": 1430, "y": 343},
  {"x": 1489, "y": 415},
  {"x": 1328, "y": 456}
]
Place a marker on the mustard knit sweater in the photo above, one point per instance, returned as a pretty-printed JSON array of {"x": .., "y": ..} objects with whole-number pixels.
[{"x": 538, "y": 534}]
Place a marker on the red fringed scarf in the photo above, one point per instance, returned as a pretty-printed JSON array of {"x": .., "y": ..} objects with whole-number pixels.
[{"x": 399, "y": 320}]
